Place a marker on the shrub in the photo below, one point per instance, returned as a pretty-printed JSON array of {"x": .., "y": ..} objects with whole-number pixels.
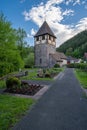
[
  {"x": 47, "y": 75},
  {"x": 13, "y": 83},
  {"x": 44, "y": 70},
  {"x": 56, "y": 66},
  {"x": 70, "y": 65},
  {"x": 27, "y": 66},
  {"x": 78, "y": 65},
  {"x": 5, "y": 68}
]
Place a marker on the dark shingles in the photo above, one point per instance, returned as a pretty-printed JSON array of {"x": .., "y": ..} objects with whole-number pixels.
[{"x": 45, "y": 29}]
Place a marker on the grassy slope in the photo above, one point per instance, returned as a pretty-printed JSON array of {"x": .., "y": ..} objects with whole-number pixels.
[
  {"x": 82, "y": 76},
  {"x": 12, "y": 109}
]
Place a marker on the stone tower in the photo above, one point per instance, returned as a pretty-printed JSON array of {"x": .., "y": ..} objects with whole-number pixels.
[{"x": 45, "y": 44}]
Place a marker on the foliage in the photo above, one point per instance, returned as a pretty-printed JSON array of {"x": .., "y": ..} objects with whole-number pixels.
[
  {"x": 56, "y": 66},
  {"x": 47, "y": 75},
  {"x": 21, "y": 43},
  {"x": 13, "y": 83},
  {"x": 12, "y": 109},
  {"x": 82, "y": 76},
  {"x": 29, "y": 61},
  {"x": 75, "y": 46},
  {"x": 10, "y": 59},
  {"x": 78, "y": 65},
  {"x": 2, "y": 84}
]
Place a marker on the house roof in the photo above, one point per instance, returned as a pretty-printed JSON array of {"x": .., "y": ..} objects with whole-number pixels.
[
  {"x": 58, "y": 56},
  {"x": 44, "y": 29},
  {"x": 70, "y": 58}
]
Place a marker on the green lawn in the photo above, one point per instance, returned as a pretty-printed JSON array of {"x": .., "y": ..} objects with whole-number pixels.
[
  {"x": 12, "y": 109},
  {"x": 33, "y": 74},
  {"x": 82, "y": 76}
]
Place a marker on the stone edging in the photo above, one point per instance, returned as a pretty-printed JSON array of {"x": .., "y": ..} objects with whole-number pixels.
[{"x": 36, "y": 96}]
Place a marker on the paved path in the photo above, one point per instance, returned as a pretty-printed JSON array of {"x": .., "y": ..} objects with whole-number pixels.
[{"x": 62, "y": 107}]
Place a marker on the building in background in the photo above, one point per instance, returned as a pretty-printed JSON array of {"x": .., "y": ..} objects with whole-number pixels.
[{"x": 45, "y": 48}]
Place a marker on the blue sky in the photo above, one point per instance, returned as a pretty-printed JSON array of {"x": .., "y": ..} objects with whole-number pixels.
[{"x": 65, "y": 17}]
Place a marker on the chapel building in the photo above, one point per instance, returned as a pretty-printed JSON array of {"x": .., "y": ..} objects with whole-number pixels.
[{"x": 45, "y": 48}]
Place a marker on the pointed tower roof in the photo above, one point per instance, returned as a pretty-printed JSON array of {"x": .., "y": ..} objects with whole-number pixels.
[{"x": 45, "y": 29}]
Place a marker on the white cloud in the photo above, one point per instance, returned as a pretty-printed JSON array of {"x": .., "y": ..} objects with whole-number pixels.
[
  {"x": 82, "y": 24},
  {"x": 54, "y": 15},
  {"x": 77, "y": 2},
  {"x": 33, "y": 32},
  {"x": 68, "y": 12},
  {"x": 51, "y": 11},
  {"x": 74, "y": 2},
  {"x": 29, "y": 36}
]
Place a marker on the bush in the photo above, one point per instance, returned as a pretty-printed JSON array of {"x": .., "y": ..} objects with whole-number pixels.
[
  {"x": 70, "y": 65},
  {"x": 29, "y": 61},
  {"x": 56, "y": 66},
  {"x": 13, "y": 83},
  {"x": 5, "y": 68},
  {"x": 27, "y": 66},
  {"x": 78, "y": 65},
  {"x": 47, "y": 75}
]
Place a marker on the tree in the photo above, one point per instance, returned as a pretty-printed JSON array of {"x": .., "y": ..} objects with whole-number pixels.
[
  {"x": 69, "y": 51},
  {"x": 21, "y": 43},
  {"x": 29, "y": 61},
  {"x": 78, "y": 43},
  {"x": 10, "y": 59}
]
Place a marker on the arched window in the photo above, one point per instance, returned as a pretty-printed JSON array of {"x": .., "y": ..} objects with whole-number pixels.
[{"x": 40, "y": 61}]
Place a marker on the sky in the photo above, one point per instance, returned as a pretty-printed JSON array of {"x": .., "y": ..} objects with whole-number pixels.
[{"x": 66, "y": 18}]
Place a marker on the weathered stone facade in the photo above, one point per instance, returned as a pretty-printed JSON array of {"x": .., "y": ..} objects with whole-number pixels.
[
  {"x": 42, "y": 54},
  {"x": 44, "y": 44},
  {"x": 45, "y": 48}
]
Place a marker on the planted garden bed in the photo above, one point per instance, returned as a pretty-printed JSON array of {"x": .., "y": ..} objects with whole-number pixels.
[{"x": 21, "y": 88}]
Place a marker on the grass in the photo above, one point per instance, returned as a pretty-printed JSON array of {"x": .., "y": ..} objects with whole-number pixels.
[
  {"x": 82, "y": 76},
  {"x": 33, "y": 74},
  {"x": 2, "y": 84},
  {"x": 12, "y": 109}
]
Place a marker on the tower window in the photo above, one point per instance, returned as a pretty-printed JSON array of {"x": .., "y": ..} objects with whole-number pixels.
[
  {"x": 37, "y": 38},
  {"x": 49, "y": 37},
  {"x": 43, "y": 37},
  {"x": 40, "y": 61}
]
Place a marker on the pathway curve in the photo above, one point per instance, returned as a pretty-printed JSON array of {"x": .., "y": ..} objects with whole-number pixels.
[{"x": 62, "y": 107}]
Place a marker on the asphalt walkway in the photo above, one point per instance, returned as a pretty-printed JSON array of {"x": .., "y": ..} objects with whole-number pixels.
[{"x": 62, "y": 107}]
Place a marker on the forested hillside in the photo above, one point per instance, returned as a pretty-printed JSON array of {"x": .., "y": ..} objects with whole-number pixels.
[{"x": 75, "y": 46}]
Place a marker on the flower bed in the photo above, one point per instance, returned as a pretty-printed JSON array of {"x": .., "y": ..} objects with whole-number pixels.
[{"x": 25, "y": 88}]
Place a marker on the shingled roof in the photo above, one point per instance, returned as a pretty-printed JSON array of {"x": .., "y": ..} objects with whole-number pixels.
[
  {"x": 58, "y": 56},
  {"x": 44, "y": 29}
]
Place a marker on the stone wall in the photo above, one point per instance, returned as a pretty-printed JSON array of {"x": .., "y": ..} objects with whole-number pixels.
[{"x": 42, "y": 52}]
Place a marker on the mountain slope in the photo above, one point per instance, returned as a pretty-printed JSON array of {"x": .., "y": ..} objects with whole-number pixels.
[{"x": 75, "y": 46}]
